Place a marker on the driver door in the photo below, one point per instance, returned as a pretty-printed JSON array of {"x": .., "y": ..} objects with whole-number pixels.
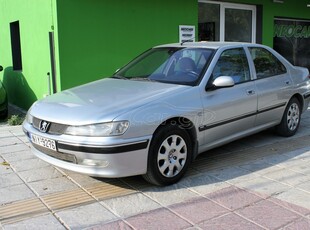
[{"x": 229, "y": 112}]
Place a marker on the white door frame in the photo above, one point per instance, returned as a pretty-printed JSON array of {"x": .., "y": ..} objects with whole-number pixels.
[{"x": 224, "y": 6}]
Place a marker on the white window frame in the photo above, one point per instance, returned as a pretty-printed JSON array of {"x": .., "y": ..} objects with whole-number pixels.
[{"x": 224, "y": 6}]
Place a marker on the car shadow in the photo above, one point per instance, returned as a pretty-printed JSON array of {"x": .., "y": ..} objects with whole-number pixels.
[{"x": 235, "y": 160}]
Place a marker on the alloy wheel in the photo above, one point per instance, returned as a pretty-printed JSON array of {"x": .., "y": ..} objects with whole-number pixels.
[{"x": 293, "y": 116}]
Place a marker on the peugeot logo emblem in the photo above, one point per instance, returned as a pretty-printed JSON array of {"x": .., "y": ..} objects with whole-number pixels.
[{"x": 44, "y": 125}]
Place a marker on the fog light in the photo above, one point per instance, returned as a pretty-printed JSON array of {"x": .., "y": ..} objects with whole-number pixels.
[{"x": 92, "y": 162}]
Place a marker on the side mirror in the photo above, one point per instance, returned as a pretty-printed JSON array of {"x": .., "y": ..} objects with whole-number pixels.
[
  {"x": 1, "y": 68},
  {"x": 221, "y": 82}
]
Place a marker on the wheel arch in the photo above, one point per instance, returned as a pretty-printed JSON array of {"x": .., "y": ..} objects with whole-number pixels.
[
  {"x": 300, "y": 99},
  {"x": 188, "y": 126}
]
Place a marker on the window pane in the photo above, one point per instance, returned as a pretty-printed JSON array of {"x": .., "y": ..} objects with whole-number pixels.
[
  {"x": 147, "y": 64},
  {"x": 209, "y": 22},
  {"x": 233, "y": 63},
  {"x": 266, "y": 64},
  {"x": 170, "y": 65},
  {"x": 238, "y": 25}
]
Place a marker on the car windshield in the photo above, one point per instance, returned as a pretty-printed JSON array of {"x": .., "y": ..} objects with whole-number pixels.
[{"x": 169, "y": 65}]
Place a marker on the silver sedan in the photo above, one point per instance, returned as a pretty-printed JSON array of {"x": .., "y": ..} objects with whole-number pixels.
[{"x": 173, "y": 102}]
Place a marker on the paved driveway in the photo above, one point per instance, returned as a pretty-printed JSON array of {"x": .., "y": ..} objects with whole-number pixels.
[{"x": 260, "y": 182}]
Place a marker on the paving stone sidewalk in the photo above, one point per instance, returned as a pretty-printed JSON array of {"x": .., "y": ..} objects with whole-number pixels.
[{"x": 259, "y": 182}]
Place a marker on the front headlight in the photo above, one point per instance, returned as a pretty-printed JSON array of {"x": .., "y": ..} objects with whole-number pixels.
[
  {"x": 99, "y": 130},
  {"x": 29, "y": 118}
]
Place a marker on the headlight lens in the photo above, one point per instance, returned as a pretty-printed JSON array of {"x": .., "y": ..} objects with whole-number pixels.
[
  {"x": 99, "y": 130},
  {"x": 29, "y": 118}
]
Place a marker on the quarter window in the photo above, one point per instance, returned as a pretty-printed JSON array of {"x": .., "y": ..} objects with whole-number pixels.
[
  {"x": 233, "y": 63},
  {"x": 266, "y": 64}
]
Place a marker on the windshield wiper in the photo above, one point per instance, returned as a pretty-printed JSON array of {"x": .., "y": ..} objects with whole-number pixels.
[
  {"x": 119, "y": 77},
  {"x": 141, "y": 79}
]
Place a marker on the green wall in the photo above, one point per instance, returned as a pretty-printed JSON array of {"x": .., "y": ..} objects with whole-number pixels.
[
  {"x": 96, "y": 37},
  {"x": 35, "y": 20}
]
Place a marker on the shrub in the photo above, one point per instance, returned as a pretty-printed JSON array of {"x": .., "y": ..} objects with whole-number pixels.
[{"x": 15, "y": 120}]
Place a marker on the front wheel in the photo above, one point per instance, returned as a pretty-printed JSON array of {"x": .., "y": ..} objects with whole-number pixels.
[
  {"x": 291, "y": 119},
  {"x": 169, "y": 155}
]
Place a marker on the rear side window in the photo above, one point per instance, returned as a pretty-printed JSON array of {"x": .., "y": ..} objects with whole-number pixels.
[{"x": 266, "y": 64}]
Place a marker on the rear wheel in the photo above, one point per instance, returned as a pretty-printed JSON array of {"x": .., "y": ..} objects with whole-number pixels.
[
  {"x": 169, "y": 155},
  {"x": 291, "y": 119}
]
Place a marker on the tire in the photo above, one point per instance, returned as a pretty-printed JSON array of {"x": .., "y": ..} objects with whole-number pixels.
[
  {"x": 170, "y": 154},
  {"x": 290, "y": 120}
]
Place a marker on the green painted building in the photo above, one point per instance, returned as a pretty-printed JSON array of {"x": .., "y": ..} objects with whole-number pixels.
[{"x": 47, "y": 46}]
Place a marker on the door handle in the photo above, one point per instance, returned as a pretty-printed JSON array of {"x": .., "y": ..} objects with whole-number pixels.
[
  {"x": 287, "y": 82},
  {"x": 250, "y": 92}
]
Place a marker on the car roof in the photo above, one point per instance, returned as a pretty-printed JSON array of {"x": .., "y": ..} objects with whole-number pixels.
[{"x": 210, "y": 45}]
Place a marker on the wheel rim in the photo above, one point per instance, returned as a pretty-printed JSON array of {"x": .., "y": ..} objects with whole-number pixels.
[
  {"x": 293, "y": 117},
  {"x": 172, "y": 156}
]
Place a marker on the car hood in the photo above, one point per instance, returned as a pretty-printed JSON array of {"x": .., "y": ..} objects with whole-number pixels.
[{"x": 100, "y": 101}]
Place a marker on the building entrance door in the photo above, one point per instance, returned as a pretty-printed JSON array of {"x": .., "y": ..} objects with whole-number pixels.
[{"x": 219, "y": 21}]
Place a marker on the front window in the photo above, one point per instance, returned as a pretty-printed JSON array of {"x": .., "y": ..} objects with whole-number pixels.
[
  {"x": 233, "y": 63},
  {"x": 169, "y": 65}
]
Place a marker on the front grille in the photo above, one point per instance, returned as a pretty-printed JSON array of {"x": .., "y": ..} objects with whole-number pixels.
[
  {"x": 60, "y": 156},
  {"x": 55, "y": 128}
]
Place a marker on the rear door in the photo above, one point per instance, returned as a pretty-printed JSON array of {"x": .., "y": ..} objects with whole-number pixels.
[{"x": 272, "y": 82}]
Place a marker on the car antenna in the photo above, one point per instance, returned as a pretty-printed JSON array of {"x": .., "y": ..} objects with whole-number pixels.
[{"x": 188, "y": 40}]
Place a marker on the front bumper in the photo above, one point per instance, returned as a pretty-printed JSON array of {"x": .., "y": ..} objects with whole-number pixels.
[{"x": 108, "y": 157}]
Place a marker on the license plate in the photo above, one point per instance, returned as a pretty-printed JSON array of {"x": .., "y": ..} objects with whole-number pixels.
[{"x": 44, "y": 142}]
